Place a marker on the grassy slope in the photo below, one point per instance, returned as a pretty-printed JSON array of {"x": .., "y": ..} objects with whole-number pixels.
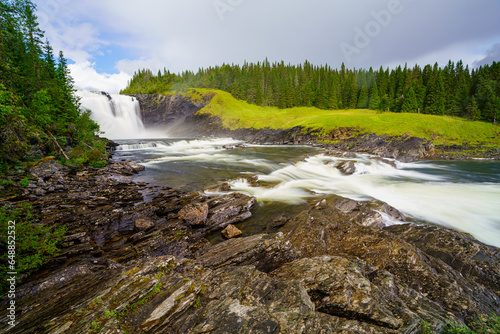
[{"x": 439, "y": 129}]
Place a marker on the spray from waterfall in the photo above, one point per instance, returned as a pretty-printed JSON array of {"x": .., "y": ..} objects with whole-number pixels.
[{"x": 119, "y": 116}]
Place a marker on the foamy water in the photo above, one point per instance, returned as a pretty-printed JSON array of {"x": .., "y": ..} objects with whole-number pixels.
[{"x": 425, "y": 191}]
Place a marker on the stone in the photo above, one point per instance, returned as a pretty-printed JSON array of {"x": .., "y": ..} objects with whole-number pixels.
[
  {"x": 143, "y": 224},
  {"x": 229, "y": 209},
  {"x": 327, "y": 230},
  {"x": 344, "y": 288},
  {"x": 472, "y": 259},
  {"x": 222, "y": 187},
  {"x": 265, "y": 252},
  {"x": 194, "y": 214},
  {"x": 231, "y": 231},
  {"x": 347, "y": 167},
  {"x": 48, "y": 168}
]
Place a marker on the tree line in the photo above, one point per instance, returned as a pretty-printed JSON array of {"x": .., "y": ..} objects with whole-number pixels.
[
  {"x": 38, "y": 108},
  {"x": 453, "y": 90}
]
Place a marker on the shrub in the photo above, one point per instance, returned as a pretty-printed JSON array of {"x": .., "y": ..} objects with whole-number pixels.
[
  {"x": 34, "y": 244},
  {"x": 24, "y": 182}
]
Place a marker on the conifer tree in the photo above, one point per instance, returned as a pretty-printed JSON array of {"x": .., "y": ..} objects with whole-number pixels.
[
  {"x": 435, "y": 99},
  {"x": 374, "y": 98},
  {"x": 409, "y": 101}
]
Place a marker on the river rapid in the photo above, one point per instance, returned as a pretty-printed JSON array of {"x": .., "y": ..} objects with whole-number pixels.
[{"x": 460, "y": 195}]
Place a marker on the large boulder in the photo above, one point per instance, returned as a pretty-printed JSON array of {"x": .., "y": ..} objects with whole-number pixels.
[
  {"x": 353, "y": 289},
  {"x": 340, "y": 227},
  {"x": 48, "y": 168}
]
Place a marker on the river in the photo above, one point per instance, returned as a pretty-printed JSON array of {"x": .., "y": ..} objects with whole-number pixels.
[{"x": 460, "y": 195}]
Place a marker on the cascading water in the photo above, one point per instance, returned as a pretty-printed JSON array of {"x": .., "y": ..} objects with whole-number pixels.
[
  {"x": 118, "y": 116},
  {"x": 462, "y": 195}
]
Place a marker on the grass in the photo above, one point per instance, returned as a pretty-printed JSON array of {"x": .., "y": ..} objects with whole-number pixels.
[{"x": 441, "y": 130}]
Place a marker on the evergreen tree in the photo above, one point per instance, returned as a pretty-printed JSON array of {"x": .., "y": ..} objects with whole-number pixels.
[
  {"x": 363, "y": 91},
  {"x": 435, "y": 99},
  {"x": 36, "y": 92},
  {"x": 410, "y": 101},
  {"x": 374, "y": 98},
  {"x": 332, "y": 97},
  {"x": 473, "y": 111}
]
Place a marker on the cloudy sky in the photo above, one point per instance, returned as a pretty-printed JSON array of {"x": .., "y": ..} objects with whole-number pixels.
[{"x": 106, "y": 41}]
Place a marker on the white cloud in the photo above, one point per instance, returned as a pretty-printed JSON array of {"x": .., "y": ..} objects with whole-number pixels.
[
  {"x": 87, "y": 78},
  {"x": 189, "y": 34},
  {"x": 131, "y": 66},
  {"x": 491, "y": 55}
]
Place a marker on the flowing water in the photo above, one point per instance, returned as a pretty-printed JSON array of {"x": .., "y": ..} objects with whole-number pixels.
[
  {"x": 119, "y": 116},
  {"x": 461, "y": 195}
]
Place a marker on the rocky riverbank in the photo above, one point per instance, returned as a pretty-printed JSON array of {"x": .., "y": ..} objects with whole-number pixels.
[{"x": 130, "y": 266}]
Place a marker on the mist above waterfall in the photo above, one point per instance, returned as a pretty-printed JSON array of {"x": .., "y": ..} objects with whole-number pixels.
[{"x": 119, "y": 116}]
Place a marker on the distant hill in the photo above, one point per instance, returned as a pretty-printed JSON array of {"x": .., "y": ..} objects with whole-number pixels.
[{"x": 453, "y": 90}]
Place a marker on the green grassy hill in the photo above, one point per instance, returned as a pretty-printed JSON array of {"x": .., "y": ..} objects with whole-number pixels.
[{"x": 442, "y": 130}]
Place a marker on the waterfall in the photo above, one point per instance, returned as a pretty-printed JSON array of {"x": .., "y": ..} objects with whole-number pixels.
[{"x": 119, "y": 116}]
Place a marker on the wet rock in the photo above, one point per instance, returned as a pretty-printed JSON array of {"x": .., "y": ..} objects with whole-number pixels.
[
  {"x": 121, "y": 178},
  {"x": 340, "y": 154},
  {"x": 385, "y": 161},
  {"x": 143, "y": 224},
  {"x": 402, "y": 148},
  {"x": 231, "y": 231},
  {"x": 384, "y": 208},
  {"x": 265, "y": 252},
  {"x": 472, "y": 259},
  {"x": 279, "y": 222},
  {"x": 229, "y": 209},
  {"x": 252, "y": 180},
  {"x": 347, "y": 167},
  {"x": 352, "y": 289},
  {"x": 194, "y": 214},
  {"x": 222, "y": 187},
  {"x": 172, "y": 112},
  {"x": 333, "y": 267},
  {"x": 125, "y": 168},
  {"x": 328, "y": 230}
]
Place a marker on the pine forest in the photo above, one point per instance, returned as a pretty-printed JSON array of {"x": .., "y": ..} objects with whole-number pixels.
[{"x": 453, "y": 90}]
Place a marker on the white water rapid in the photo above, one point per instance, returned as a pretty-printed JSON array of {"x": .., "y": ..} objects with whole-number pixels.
[
  {"x": 466, "y": 206},
  {"x": 118, "y": 116},
  {"x": 460, "y": 195}
]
